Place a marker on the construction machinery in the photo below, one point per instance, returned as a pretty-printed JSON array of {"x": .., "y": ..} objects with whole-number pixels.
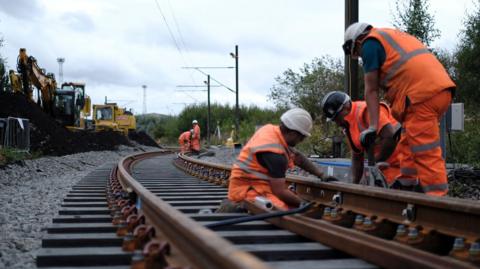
[
  {"x": 29, "y": 73},
  {"x": 72, "y": 106},
  {"x": 111, "y": 117}
]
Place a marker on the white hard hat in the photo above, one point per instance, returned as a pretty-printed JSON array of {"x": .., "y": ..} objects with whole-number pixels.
[
  {"x": 354, "y": 31},
  {"x": 194, "y": 121},
  {"x": 298, "y": 119}
]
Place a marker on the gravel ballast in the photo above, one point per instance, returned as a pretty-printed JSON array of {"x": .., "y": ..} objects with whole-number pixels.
[{"x": 31, "y": 195}]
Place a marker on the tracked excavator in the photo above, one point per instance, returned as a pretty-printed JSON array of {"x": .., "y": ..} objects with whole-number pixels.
[
  {"x": 29, "y": 73},
  {"x": 72, "y": 106},
  {"x": 69, "y": 105}
]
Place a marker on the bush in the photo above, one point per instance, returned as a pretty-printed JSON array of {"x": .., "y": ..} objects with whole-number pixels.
[{"x": 465, "y": 146}]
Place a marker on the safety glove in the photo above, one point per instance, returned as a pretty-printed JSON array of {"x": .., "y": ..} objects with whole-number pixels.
[{"x": 367, "y": 137}]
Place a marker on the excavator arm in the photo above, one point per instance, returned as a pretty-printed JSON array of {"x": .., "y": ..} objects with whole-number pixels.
[{"x": 31, "y": 73}]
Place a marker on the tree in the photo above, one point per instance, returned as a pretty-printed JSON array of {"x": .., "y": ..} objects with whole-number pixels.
[
  {"x": 3, "y": 71},
  {"x": 413, "y": 17},
  {"x": 467, "y": 63},
  {"x": 306, "y": 88}
]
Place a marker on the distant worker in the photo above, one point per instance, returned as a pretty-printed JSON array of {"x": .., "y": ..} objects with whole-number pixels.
[
  {"x": 184, "y": 141},
  {"x": 195, "y": 142},
  {"x": 262, "y": 163},
  {"x": 353, "y": 118},
  {"x": 419, "y": 91}
]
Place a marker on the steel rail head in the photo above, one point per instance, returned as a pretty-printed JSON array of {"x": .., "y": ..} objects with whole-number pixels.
[
  {"x": 447, "y": 216},
  {"x": 199, "y": 245},
  {"x": 385, "y": 253}
]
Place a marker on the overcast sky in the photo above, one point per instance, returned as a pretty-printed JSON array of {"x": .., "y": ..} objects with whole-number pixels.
[{"x": 116, "y": 46}]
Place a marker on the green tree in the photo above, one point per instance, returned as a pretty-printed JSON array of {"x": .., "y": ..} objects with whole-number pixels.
[
  {"x": 306, "y": 88},
  {"x": 250, "y": 116},
  {"x": 467, "y": 65},
  {"x": 4, "y": 82},
  {"x": 413, "y": 17}
]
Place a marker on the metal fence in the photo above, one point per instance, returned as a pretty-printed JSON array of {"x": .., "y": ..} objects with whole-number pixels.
[{"x": 15, "y": 133}]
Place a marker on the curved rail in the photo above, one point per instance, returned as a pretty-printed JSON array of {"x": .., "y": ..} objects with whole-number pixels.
[
  {"x": 346, "y": 217},
  {"x": 413, "y": 219},
  {"x": 199, "y": 245}
]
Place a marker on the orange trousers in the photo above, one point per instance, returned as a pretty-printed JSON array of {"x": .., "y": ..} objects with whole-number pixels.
[
  {"x": 420, "y": 153},
  {"x": 240, "y": 190},
  {"x": 184, "y": 146}
]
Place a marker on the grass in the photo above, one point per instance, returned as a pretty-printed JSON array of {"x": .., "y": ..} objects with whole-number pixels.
[{"x": 10, "y": 155}]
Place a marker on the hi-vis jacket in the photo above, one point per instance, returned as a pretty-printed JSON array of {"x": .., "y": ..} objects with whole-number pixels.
[
  {"x": 358, "y": 121},
  {"x": 410, "y": 70},
  {"x": 184, "y": 141},
  {"x": 195, "y": 141},
  {"x": 248, "y": 175}
]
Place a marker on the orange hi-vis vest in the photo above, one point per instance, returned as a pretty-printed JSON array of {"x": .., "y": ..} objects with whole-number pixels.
[
  {"x": 410, "y": 70},
  {"x": 358, "y": 121},
  {"x": 195, "y": 142},
  {"x": 184, "y": 140},
  {"x": 247, "y": 173}
]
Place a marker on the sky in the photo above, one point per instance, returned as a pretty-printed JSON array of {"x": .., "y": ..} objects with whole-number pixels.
[{"x": 116, "y": 46}]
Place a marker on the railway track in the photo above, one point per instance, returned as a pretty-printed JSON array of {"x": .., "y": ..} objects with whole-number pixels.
[{"x": 147, "y": 213}]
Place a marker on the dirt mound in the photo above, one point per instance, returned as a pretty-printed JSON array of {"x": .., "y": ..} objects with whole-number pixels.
[
  {"x": 143, "y": 138},
  {"x": 47, "y": 136}
]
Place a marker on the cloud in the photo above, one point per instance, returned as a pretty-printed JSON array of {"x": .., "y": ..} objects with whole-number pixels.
[
  {"x": 78, "y": 21},
  {"x": 22, "y": 9}
]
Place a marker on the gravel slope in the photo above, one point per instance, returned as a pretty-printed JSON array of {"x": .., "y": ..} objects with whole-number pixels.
[{"x": 31, "y": 195}]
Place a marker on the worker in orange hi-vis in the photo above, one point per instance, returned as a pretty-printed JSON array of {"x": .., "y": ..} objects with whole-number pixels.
[
  {"x": 262, "y": 163},
  {"x": 419, "y": 91},
  {"x": 352, "y": 116},
  {"x": 184, "y": 141},
  {"x": 195, "y": 142}
]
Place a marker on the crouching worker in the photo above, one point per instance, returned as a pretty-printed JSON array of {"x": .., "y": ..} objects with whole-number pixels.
[
  {"x": 353, "y": 118},
  {"x": 184, "y": 141},
  {"x": 261, "y": 165}
]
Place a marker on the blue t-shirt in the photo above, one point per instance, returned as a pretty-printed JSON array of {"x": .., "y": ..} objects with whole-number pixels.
[{"x": 373, "y": 55}]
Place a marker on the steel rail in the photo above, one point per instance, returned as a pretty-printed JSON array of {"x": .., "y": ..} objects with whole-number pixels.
[
  {"x": 199, "y": 245},
  {"x": 437, "y": 220}
]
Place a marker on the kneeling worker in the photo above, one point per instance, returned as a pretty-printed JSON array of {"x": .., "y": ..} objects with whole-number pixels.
[
  {"x": 261, "y": 165},
  {"x": 184, "y": 141},
  {"x": 353, "y": 118}
]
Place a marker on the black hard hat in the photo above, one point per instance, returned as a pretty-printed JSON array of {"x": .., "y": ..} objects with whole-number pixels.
[{"x": 333, "y": 103}]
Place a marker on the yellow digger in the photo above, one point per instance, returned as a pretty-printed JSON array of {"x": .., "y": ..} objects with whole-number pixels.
[
  {"x": 71, "y": 106},
  {"x": 111, "y": 117}
]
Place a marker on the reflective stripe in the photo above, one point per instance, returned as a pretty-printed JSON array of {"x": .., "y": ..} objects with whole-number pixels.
[
  {"x": 245, "y": 165},
  {"x": 408, "y": 171},
  {"x": 254, "y": 150},
  {"x": 404, "y": 56},
  {"x": 435, "y": 187},
  {"x": 392, "y": 42},
  {"x": 245, "y": 168},
  {"x": 407, "y": 181},
  {"x": 425, "y": 147},
  {"x": 403, "y": 59},
  {"x": 361, "y": 127}
]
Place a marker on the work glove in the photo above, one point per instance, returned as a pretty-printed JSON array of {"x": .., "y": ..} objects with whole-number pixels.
[{"x": 367, "y": 137}]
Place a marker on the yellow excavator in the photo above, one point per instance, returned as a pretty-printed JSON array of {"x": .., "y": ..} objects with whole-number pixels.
[
  {"x": 69, "y": 105},
  {"x": 29, "y": 73},
  {"x": 111, "y": 117},
  {"x": 72, "y": 106}
]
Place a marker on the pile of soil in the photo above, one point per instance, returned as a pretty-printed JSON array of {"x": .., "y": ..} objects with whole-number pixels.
[
  {"x": 143, "y": 138},
  {"x": 49, "y": 137}
]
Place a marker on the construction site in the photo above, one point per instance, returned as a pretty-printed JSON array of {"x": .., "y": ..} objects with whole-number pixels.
[{"x": 139, "y": 137}]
